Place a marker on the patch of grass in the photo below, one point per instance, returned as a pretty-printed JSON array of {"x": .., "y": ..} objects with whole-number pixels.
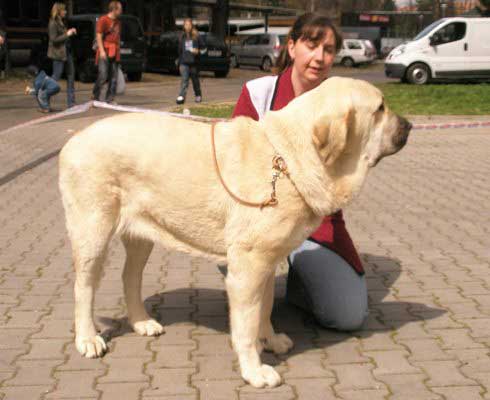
[
  {"x": 219, "y": 110},
  {"x": 434, "y": 99},
  {"x": 437, "y": 99}
]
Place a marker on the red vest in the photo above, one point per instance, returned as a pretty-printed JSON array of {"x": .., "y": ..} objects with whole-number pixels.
[{"x": 273, "y": 93}]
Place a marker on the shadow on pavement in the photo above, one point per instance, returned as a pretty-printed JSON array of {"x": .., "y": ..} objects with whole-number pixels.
[{"x": 209, "y": 310}]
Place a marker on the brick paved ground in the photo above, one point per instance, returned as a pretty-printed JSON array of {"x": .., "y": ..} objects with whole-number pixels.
[{"x": 421, "y": 224}]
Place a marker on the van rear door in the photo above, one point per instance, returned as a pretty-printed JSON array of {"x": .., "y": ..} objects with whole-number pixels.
[
  {"x": 478, "y": 48},
  {"x": 448, "y": 50}
]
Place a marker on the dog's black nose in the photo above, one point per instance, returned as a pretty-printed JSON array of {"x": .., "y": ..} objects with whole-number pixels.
[{"x": 404, "y": 124}]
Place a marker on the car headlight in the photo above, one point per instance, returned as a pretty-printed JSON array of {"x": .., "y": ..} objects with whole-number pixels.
[{"x": 397, "y": 51}]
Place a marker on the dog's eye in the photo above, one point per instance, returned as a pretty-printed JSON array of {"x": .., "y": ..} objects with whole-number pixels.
[{"x": 381, "y": 108}]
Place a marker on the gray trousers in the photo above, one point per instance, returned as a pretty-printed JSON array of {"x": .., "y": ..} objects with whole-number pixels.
[
  {"x": 324, "y": 284},
  {"x": 107, "y": 72}
]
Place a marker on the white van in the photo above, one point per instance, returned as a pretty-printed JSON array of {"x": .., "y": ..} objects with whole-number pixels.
[
  {"x": 450, "y": 48},
  {"x": 354, "y": 52}
]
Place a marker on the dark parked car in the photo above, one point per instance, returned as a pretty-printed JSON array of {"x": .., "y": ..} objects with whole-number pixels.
[
  {"x": 163, "y": 54},
  {"x": 133, "y": 46}
]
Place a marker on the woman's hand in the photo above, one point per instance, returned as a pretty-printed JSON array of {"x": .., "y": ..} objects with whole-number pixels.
[{"x": 71, "y": 32}]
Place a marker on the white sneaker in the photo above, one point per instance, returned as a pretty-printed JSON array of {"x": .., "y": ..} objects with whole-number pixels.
[
  {"x": 180, "y": 100},
  {"x": 198, "y": 99}
]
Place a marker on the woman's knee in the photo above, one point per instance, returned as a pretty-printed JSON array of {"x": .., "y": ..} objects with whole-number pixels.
[{"x": 347, "y": 320}]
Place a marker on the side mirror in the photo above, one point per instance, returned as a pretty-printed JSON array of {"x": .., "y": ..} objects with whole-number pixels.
[{"x": 434, "y": 39}]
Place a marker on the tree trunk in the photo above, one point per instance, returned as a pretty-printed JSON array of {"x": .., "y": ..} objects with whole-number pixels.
[{"x": 219, "y": 15}]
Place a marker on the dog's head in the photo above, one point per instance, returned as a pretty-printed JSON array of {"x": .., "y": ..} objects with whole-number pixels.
[
  {"x": 331, "y": 136},
  {"x": 352, "y": 120}
]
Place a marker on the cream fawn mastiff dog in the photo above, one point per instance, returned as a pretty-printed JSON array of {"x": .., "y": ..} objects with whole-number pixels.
[{"x": 152, "y": 178}]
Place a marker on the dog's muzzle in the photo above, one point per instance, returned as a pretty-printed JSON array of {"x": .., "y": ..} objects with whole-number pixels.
[{"x": 400, "y": 138}]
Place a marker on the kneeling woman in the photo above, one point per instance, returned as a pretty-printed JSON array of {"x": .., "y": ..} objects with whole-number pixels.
[{"x": 326, "y": 276}]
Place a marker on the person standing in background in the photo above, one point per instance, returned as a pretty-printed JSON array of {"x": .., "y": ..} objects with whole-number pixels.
[
  {"x": 59, "y": 50},
  {"x": 190, "y": 46},
  {"x": 108, "y": 56},
  {"x": 4, "y": 52}
]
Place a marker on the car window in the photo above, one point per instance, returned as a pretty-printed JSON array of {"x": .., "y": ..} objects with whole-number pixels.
[
  {"x": 428, "y": 29},
  {"x": 451, "y": 32},
  {"x": 354, "y": 46},
  {"x": 130, "y": 29},
  {"x": 252, "y": 40},
  {"x": 282, "y": 39},
  {"x": 264, "y": 40}
]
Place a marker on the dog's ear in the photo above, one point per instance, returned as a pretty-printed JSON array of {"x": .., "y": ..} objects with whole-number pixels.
[{"x": 330, "y": 137}]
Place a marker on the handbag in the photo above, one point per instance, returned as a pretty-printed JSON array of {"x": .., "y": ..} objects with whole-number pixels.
[{"x": 121, "y": 82}]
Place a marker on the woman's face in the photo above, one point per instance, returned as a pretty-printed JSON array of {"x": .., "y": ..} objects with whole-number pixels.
[
  {"x": 63, "y": 13},
  {"x": 187, "y": 26},
  {"x": 313, "y": 61}
]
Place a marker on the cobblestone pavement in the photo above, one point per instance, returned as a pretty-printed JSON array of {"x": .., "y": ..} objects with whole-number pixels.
[{"x": 421, "y": 225}]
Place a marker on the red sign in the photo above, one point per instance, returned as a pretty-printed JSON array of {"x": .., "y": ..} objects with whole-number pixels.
[{"x": 374, "y": 18}]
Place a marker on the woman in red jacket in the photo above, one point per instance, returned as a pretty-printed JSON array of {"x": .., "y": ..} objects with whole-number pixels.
[{"x": 325, "y": 276}]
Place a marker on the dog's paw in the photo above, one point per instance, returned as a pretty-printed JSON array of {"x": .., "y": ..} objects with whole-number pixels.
[
  {"x": 278, "y": 344},
  {"x": 91, "y": 347},
  {"x": 148, "y": 327},
  {"x": 263, "y": 376}
]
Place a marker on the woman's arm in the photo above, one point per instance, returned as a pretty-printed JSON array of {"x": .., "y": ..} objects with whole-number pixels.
[
  {"x": 53, "y": 33},
  {"x": 244, "y": 106}
]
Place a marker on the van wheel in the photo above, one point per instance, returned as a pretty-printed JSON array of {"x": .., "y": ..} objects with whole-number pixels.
[
  {"x": 234, "y": 61},
  {"x": 418, "y": 74},
  {"x": 266, "y": 64},
  {"x": 135, "y": 76},
  {"x": 347, "y": 62}
]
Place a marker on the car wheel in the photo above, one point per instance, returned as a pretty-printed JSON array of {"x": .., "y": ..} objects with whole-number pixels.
[
  {"x": 418, "y": 74},
  {"x": 347, "y": 62},
  {"x": 266, "y": 64},
  {"x": 135, "y": 76},
  {"x": 84, "y": 73},
  {"x": 234, "y": 61},
  {"x": 221, "y": 74}
]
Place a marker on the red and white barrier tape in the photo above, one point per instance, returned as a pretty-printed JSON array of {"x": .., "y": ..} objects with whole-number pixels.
[
  {"x": 452, "y": 125},
  {"x": 99, "y": 104}
]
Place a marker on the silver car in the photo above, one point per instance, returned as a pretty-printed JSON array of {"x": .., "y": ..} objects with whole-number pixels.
[{"x": 261, "y": 50}]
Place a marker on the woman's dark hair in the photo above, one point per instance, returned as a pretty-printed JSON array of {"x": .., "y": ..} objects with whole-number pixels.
[{"x": 309, "y": 26}]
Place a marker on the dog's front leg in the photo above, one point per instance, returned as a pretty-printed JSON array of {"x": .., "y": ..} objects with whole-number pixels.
[
  {"x": 245, "y": 284},
  {"x": 278, "y": 343}
]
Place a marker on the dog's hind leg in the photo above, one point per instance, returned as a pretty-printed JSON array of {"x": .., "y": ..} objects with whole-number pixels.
[
  {"x": 277, "y": 343},
  {"x": 90, "y": 239},
  {"x": 245, "y": 283},
  {"x": 137, "y": 253}
]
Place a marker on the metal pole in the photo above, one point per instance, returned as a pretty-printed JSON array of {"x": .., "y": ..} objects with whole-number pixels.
[{"x": 266, "y": 16}]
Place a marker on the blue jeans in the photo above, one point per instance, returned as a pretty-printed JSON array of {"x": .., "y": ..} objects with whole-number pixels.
[
  {"x": 49, "y": 87},
  {"x": 323, "y": 283},
  {"x": 58, "y": 67},
  {"x": 191, "y": 71},
  {"x": 107, "y": 72}
]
